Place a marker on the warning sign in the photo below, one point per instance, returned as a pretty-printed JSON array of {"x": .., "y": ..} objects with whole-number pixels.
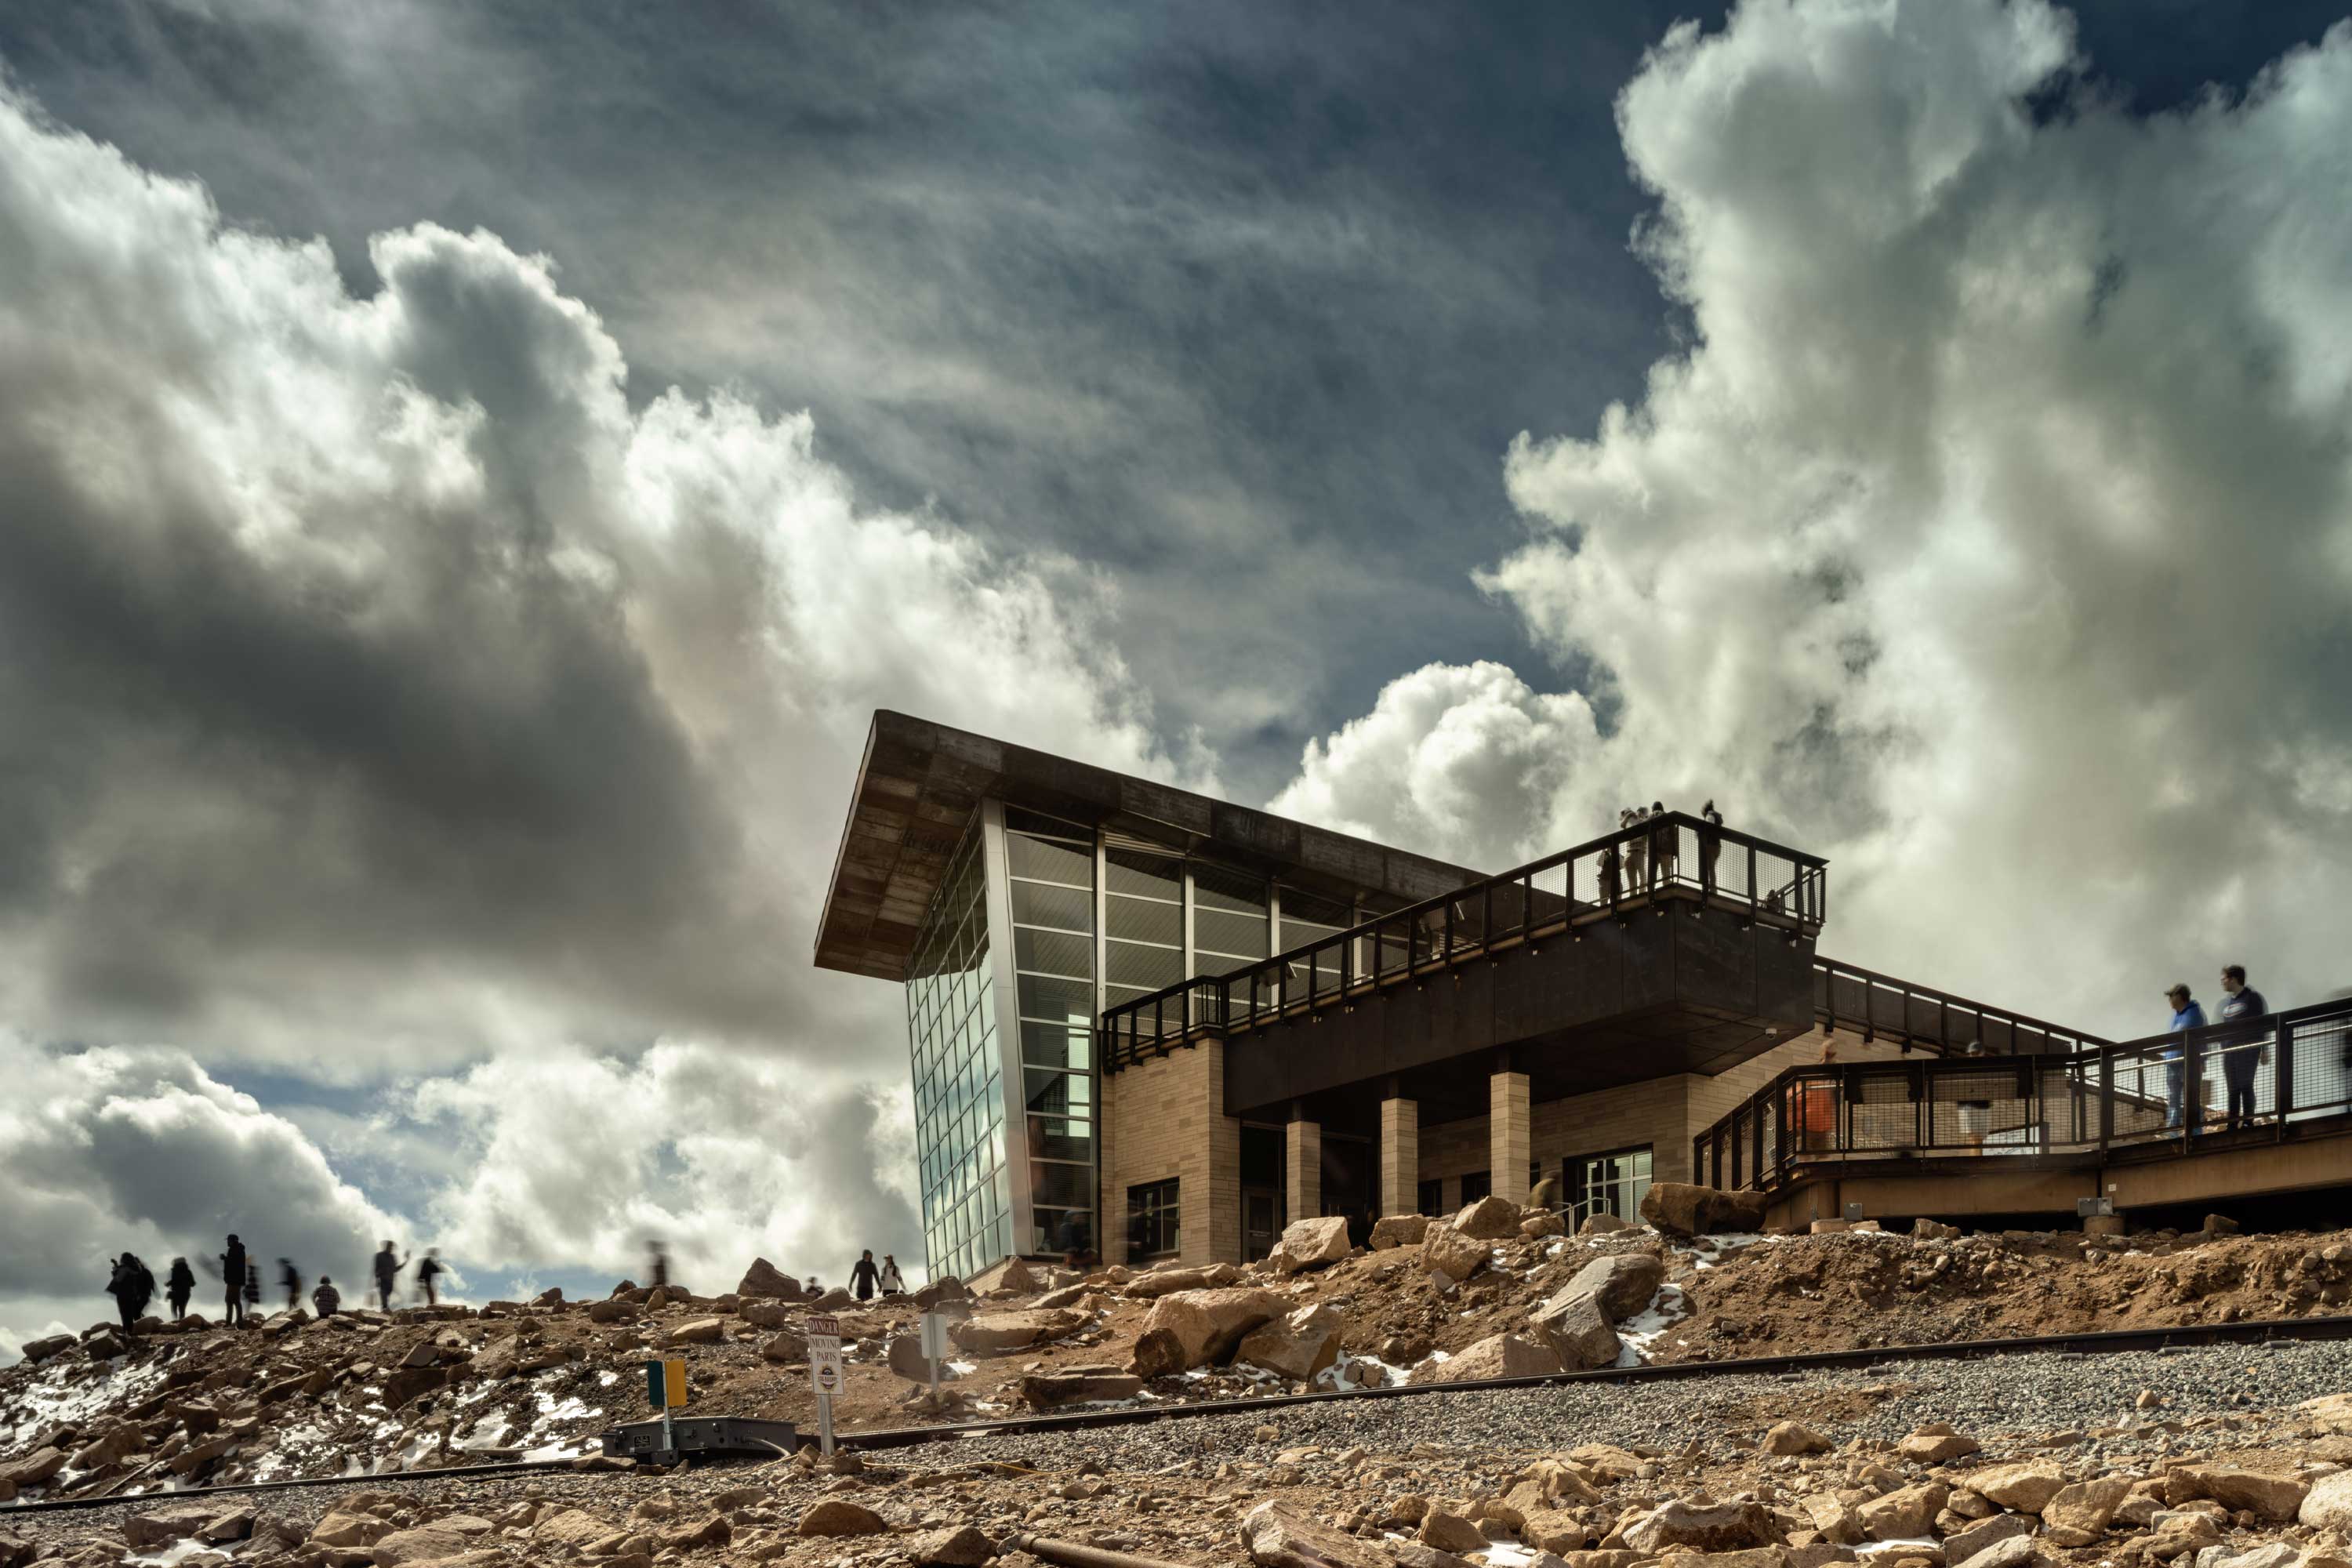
[{"x": 826, "y": 1369}]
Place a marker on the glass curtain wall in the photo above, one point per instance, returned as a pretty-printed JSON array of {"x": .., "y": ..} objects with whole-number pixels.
[
  {"x": 1229, "y": 919},
  {"x": 1143, "y": 923},
  {"x": 1050, "y": 869},
  {"x": 959, "y": 1089}
]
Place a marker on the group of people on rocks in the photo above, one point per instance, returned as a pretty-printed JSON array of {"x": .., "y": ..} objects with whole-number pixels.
[
  {"x": 1637, "y": 865},
  {"x": 133, "y": 1284}
]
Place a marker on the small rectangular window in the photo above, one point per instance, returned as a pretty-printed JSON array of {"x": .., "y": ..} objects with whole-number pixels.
[
  {"x": 1431, "y": 1198},
  {"x": 1476, "y": 1185},
  {"x": 1151, "y": 1220}
]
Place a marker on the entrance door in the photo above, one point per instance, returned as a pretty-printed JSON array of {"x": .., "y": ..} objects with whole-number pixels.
[{"x": 1261, "y": 1221}]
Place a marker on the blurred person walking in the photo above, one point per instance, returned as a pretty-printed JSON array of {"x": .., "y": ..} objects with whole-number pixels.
[
  {"x": 387, "y": 1272},
  {"x": 657, "y": 1267},
  {"x": 893, "y": 1282},
  {"x": 133, "y": 1286},
  {"x": 427, "y": 1272},
  {"x": 178, "y": 1286},
  {"x": 232, "y": 1272},
  {"x": 862, "y": 1276},
  {"x": 290, "y": 1282},
  {"x": 2241, "y": 1057}
]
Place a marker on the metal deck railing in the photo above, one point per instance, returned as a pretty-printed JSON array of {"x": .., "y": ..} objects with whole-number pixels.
[
  {"x": 1670, "y": 858},
  {"x": 2274, "y": 1072}
]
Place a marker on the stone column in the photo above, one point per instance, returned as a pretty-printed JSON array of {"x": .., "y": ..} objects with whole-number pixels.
[
  {"x": 1400, "y": 1156},
  {"x": 1303, "y": 1168},
  {"x": 1508, "y": 1141}
]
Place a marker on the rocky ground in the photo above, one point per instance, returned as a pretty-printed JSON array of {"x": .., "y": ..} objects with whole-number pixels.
[
  {"x": 2219, "y": 1457},
  {"x": 1493, "y": 1291}
]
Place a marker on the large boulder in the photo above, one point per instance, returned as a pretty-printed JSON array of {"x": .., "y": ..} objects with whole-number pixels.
[
  {"x": 839, "y": 1516},
  {"x": 143, "y": 1531},
  {"x": 1578, "y": 1330},
  {"x": 1679, "y": 1208},
  {"x": 1166, "y": 1280},
  {"x": 1601, "y": 1222},
  {"x": 1011, "y": 1277},
  {"x": 908, "y": 1361},
  {"x": 2027, "y": 1486},
  {"x": 1447, "y": 1251},
  {"x": 996, "y": 1333},
  {"x": 1491, "y": 1218},
  {"x": 1399, "y": 1230},
  {"x": 1280, "y": 1537},
  {"x": 1906, "y": 1514},
  {"x": 1497, "y": 1355},
  {"x": 424, "y": 1544},
  {"x": 764, "y": 1280},
  {"x": 1309, "y": 1243},
  {"x": 2079, "y": 1515},
  {"x": 1622, "y": 1283},
  {"x": 1296, "y": 1347},
  {"x": 2276, "y": 1497},
  {"x": 946, "y": 1289},
  {"x": 42, "y": 1350},
  {"x": 1194, "y": 1328},
  {"x": 1701, "y": 1526},
  {"x": 834, "y": 1301},
  {"x": 784, "y": 1348},
  {"x": 2328, "y": 1504},
  {"x": 760, "y": 1311},
  {"x": 1080, "y": 1386}
]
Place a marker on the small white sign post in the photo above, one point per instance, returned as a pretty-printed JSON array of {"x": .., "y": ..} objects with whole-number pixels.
[
  {"x": 826, "y": 1371},
  {"x": 935, "y": 1346}
]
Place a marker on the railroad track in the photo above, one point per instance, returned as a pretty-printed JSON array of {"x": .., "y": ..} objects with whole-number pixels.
[{"x": 2104, "y": 1341}]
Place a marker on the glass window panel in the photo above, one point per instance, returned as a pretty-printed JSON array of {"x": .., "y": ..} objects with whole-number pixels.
[
  {"x": 1065, "y": 1093},
  {"x": 1048, "y": 861},
  {"x": 1057, "y": 1185},
  {"x": 1148, "y": 876},
  {"x": 1054, "y": 953},
  {"x": 1054, "y": 1046},
  {"x": 1060, "y": 1138},
  {"x": 1141, "y": 919},
  {"x": 1064, "y": 909},
  {"x": 1313, "y": 909},
  {"x": 1229, "y": 936},
  {"x": 1218, "y": 888},
  {"x": 1019, "y": 821},
  {"x": 1065, "y": 1002},
  {"x": 1151, "y": 1220},
  {"x": 1149, "y": 968}
]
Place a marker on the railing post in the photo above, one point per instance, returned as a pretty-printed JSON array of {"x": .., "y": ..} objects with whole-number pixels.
[
  {"x": 2192, "y": 1087},
  {"x": 2282, "y": 1070},
  {"x": 2107, "y": 1096}
]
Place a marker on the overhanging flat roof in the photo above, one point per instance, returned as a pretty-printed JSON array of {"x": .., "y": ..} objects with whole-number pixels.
[{"x": 919, "y": 783}]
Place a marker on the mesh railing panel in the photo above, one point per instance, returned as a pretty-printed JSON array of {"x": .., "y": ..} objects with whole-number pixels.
[{"x": 2321, "y": 1079}]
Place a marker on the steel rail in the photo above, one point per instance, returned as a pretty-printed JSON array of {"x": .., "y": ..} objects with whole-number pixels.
[{"x": 2099, "y": 1342}]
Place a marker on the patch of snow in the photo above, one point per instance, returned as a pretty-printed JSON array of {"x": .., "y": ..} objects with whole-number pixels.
[
  {"x": 489, "y": 1432},
  {"x": 1634, "y": 1336},
  {"x": 1507, "y": 1554},
  {"x": 1329, "y": 1378},
  {"x": 187, "y": 1546},
  {"x": 962, "y": 1368},
  {"x": 569, "y": 1448},
  {"x": 607, "y": 1379},
  {"x": 1870, "y": 1549}
]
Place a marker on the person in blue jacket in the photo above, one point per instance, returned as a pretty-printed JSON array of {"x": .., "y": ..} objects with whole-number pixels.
[{"x": 2186, "y": 1016}]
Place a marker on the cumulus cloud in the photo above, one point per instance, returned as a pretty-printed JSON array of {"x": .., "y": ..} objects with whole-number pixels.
[
  {"x": 141, "y": 1149},
  {"x": 579, "y": 1161},
  {"x": 385, "y": 694},
  {"x": 1991, "y": 534},
  {"x": 371, "y": 671}
]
